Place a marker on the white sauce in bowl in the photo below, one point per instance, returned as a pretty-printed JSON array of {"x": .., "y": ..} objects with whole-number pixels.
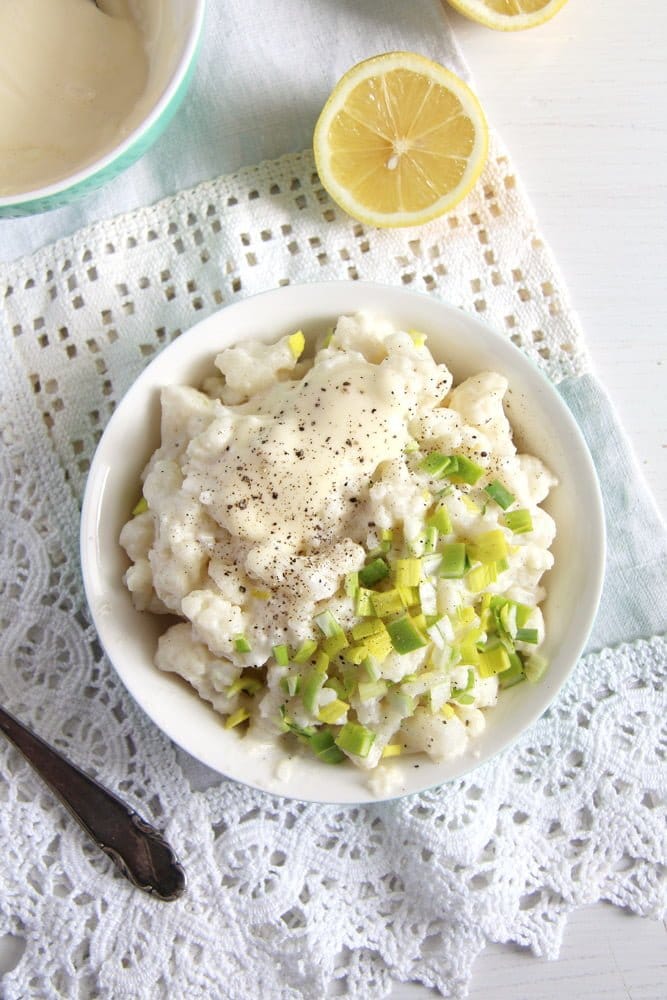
[{"x": 73, "y": 79}]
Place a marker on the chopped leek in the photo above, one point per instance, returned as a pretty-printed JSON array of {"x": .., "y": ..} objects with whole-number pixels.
[
  {"x": 493, "y": 661},
  {"x": 140, "y": 507},
  {"x": 305, "y": 651},
  {"x": 324, "y": 745},
  {"x": 356, "y": 654},
  {"x": 322, "y": 661},
  {"x": 466, "y": 471},
  {"x": 464, "y": 696},
  {"x": 481, "y": 577},
  {"x": 405, "y": 635},
  {"x": 488, "y": 547},
  {"x": 392, "y": 750},
  {"x": 535, "y": 666},
  {"x": 251, "y": 685},
  {"x": 362, "y": 604},
  {"x": 372, "y": 689},
  {"x": 497, "y": 492},
  {"x": 281, "y": 654},
  {"x": 369, "y": 668},
  {"x": 386, "y": 603},
  {"x": 241, "y": 644},
  {"x": 291, "y": 684},
  {"x": 437, "y": 465},
  {"x": 514, "y": 673},
  {"x": 351, "y": 585},
  {"x": 518, "y": 521},
  {"x": 379, "y": 645},
  {"x": 448, "y": 712},
  {"x": 407, "y": 572},
  {"x": 313, "y": 683},
  {"x": 440, "y": 520},
  {"x": 373, "y": 572},
  {"x": 327, "y": 624},
  {"x": 236, "y": 718},
  {"x": 527, "y": 635},
  {"x": 355, "y": 739},
  {"x": 296, "y": 342},
  {"x": 336, "y": 685},
  {"x": 335, "y": 644},
  {"x": 453, "y": 562},
  {"x": 369, "y": 627},
  {"x": 333, "y": 711}
]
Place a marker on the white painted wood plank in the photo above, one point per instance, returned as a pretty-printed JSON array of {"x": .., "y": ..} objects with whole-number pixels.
[
  {"x": 606, "y": 955},
  {"x": 581, "y": 104}
]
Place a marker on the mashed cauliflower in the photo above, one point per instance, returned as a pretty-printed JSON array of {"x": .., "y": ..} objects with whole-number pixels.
[{"x": 354, "y": 547}]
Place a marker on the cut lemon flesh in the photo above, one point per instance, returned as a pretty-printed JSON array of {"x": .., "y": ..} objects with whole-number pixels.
[
  {"x": 509, "y": 15},
  {"x": 400, "y": 141}
]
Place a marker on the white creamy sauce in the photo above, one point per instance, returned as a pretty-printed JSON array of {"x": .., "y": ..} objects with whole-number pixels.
[
  {"x": 307, "y": 450},
  {"x": 70, "y": 77}
]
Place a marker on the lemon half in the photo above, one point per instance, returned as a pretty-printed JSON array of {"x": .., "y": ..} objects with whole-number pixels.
[
  {"x": 509, "y": 15},
  {"x": 400, "y": 140}
]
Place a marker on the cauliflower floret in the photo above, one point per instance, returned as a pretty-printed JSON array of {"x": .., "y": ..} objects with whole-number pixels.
[
  {"x": 436, "y": 736},
  {"x": 363, "y": 333},
  {"x": 252, "y": 367},
  {"x": 215, "y": 620},
  {"x": 479, "y": 400},
  {"x": 179, "y": 652},
  {"x": 186, "y": 413},
  {"x": 138, "y": 535},
  {"x": 398, "y": 498},
  {"x": 139, "y": 581},
  {"x": 441, "y": 426}
]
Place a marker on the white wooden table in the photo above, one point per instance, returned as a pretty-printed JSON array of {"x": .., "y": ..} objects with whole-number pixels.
[{"x": 581, "y": 104}]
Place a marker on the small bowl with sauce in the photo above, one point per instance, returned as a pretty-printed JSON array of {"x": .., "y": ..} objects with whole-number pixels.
[{"x": 86, "y": 89}]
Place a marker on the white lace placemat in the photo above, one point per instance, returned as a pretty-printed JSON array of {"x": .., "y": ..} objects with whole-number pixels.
[{"x": 284, "y": 899}]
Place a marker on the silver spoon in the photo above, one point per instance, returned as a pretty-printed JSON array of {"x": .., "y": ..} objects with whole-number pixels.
[{"x": 140, "y": 852}]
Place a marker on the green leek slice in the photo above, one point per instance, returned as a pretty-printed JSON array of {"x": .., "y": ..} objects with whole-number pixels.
[
  {"x": 305, "y": 651},
  {"x": 373, "y": 572},
  {"x": 241, "y": 644},
  {"x": 453, "y": 562},
  {"x": 497, "y": 492},
  {"x": 518, "y": 521},
  {"x": 527, "y": 635},
  {"x": 313, "y": 682},
  {"x": 323, "y": 744},
  {"x": 333, "y": 711},
  {"x": 355, "y": 739},
  {"x": 281, "y": 654},
  {"x": 405, "y": 635}
]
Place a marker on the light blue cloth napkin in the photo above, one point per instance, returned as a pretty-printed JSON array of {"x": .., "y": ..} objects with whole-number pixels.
[{"x": 634, "y": 599}]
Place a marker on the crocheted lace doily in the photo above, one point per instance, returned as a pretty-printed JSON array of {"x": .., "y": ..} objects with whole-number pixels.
[{"x": 284, "y": 899}]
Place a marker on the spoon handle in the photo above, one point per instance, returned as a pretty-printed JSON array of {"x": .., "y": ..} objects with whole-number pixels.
[{"x": 139, "y": 851}]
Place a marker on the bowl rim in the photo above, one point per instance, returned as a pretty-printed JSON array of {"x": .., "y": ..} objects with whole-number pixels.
[
  {"x": 596, "y": 527},
  {"x": 24, "y": 199}
]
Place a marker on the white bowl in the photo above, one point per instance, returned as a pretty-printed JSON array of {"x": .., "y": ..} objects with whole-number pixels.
[{"x": 543, "y": 426}]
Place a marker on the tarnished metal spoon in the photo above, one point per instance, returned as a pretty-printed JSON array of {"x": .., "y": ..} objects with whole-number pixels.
[{"x": 138, "y": 849}]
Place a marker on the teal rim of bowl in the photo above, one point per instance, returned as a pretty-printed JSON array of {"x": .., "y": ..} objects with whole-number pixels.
[{"x": 119, "y": 159}]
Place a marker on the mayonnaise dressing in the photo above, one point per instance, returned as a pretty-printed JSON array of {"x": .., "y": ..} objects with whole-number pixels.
[
  {"x": 308, "y": 449},
  {"x": 70, "y": 77}
]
